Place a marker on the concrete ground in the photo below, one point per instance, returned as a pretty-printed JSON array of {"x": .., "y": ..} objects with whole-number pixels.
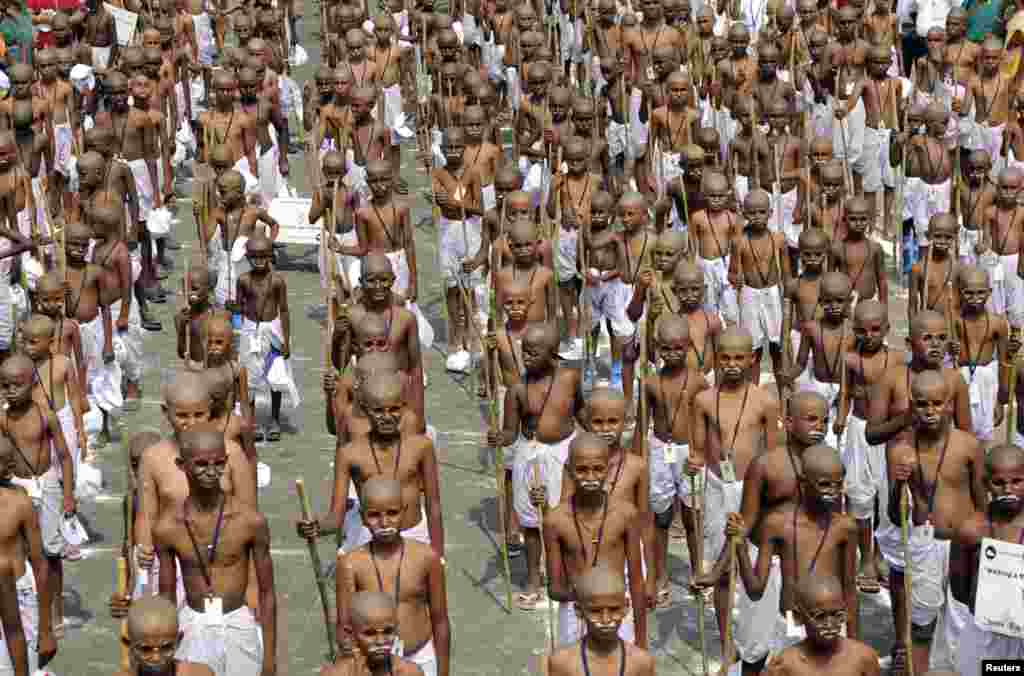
[{"x": 488, "y": 639}]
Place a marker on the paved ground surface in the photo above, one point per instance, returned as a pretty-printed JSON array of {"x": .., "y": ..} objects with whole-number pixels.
[{"x": 487, "y": 639}]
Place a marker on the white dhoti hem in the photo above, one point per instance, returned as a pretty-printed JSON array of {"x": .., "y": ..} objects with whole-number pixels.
[
  {"x": 233, "y": 647},
  {"x": 977, "y": 644},
  {"x": 130, "y": 357},
  {"x": 866, "y": 474},
  {"x": 143, "y": 186},
  {"x": 983, "y": 391},
  {"x": 1007, "y": 296},
  {"x": 261, "y": 355},
  {"x": 761, "y": 314},
  {"x": 101, "y": 57},
  {"x": 785, "y": 208},
  {"x": 458, "y": 241},
  {"x": 934, "y": 200},
  {"x": 565, "y": 255},
  {"x": 720, "y": 297},
  {"x": 665, "y": 480},
  {"x": 48, "y": 500},
  {"x": 758, "y": 626},
  {"x": 425, "y": 658},
  {"x": 547, "y": 462},
  {"x": 929, "y": 566},
  {"x": 945, "y": 651},
  {"x": 967, "y": 240},
  {"x": 608, "y": 302}
]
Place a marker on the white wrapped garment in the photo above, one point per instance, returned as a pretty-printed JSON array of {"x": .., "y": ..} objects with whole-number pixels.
[
  {"x": 267, "y": 369},
  {"x": 549, "y": 461},
  {"x": 233, "y": 647}
]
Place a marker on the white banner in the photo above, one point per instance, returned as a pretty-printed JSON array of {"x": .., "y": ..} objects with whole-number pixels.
[{"x": 999, "y": 604}]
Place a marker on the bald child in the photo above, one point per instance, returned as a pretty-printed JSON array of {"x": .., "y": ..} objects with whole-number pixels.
[
  {"x": 409, "y": 570},
  {"x": 821, "y": 607},
  {"x": 374, "y": 620},
  {"x": 602, "y": 605},
  {"x": 153, "y": 639}
]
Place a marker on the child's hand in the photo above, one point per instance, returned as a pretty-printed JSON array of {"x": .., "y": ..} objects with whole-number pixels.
[{"x": 122, "y": 324}]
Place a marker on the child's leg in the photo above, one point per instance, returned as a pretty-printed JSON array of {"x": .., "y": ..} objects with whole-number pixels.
[
  {"x": 616, "y": 345},
  {"x": 628, "y": 371},
  {"x": 533, "y": 551},
  {"x": 55, "y": 571},
  {"x": 775, "y": 350},
  {"x": 689, "y": 519},
  {"x": 568, "y": 296},
  {"x": 661, "y": 524},
  {"x": 454, "y": 307}
]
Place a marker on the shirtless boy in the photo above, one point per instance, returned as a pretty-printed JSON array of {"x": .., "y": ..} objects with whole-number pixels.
[
  {"x": 734, "y": 421},
  {"x": 542, "y": 409},
  {"x": 374, "y": 618},
  {"x": 387, "y": 450},
  {"x": 153, "y": 640},
  {"x": 601, "y": 604},
  {"x": 589, "y": 529},
  {"x": 821, "y": 607},
  {"x": 382, "y": 564},
  {"x": 209, "y": 519}
]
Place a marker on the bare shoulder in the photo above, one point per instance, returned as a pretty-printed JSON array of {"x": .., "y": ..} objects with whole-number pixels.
[
  {"x": 406, "y": 668},
  {"x": 564, "y": 659},
  {"x": 159, "y": 456},
  {"x": 17, "y": 498},
  {"x": 785, "y": 663}
]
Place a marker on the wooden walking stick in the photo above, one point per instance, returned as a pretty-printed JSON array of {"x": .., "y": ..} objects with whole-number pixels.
[
  {"x": 697, "y": 491},
  {"x": 728, "y": 647},
  {"x": 122, "y": 590},
  {"x": 314, "y": 554},
  {"x": 1011, "y": 413},
  {"x": 499, "y": 451},
  {"x": 907, "y": 579},
  {"x": 543, "y": 510}
]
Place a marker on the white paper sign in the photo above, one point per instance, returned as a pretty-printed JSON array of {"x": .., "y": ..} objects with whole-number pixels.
[
  {"x": 125, "y": 22},
  {"x": 999, "y": 605},
  {"x": 293, "y": 215}
]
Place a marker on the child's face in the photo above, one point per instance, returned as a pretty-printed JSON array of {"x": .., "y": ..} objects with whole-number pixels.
[
  {"x": 974, "y": 294},
  {"x": 603, "y": 614},
  {"x": 600, "y": 217},
  {"x": 517, "y": 208},
  {"x": 218, "y": 345},
  {"x": 665, "y": 257},
  {"x": 37, "y": 346},
  {"x": 633, "y": 216},
  {"x": 834, "y": 303},
  {"x": 607, "y": 420},
  {"x": 813, "y": 258},
  {"x": 689, "y": 291},
  {"x": 50, "y": 302},
  {"x": 517, "y": 305},
  {"x": 757, "y": 215},
  {"x": 870, "y": 333},
  {"x": 674, "y": 351},
  {"x": 77, "y": 248},
  {"x": 259, "y": 258},
  {"x": 858, "y": 221},
  {"x": 941, "y": 239}
]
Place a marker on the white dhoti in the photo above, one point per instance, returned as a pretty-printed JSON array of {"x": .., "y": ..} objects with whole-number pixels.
[
  {"x": 47, "y": 493},
  {"x": 761, "y": 314},
  {"x": 874, "y": 164},
  {"x": 720, "y": 296},
  {"x": 28, "y": 609},
  {"x": 866, "y": 474},
  {"x": 101, "y": 57},
  {"x": 977, "y": 644},
  {"x": 69, "y": 429},
  {"x": 203, "y": 27},
  {"x": 565, "y": 255},
  {"x": 741, "y": 187},
  {"x": 458, "y": 241},
  {"x": 130, "y": 357},
  {"x": 261, "y": 355},
  {"x": 394, "y": 118},
  {"x": 968, "y": 239},
  {"x": 1007, "y": 296},
  {"x": 543, "y": 462},
  {"x": 230, "y": 266},
  {"x": 62, "y": 144},
  {"x": 357, "y": 535},
  {"x": 945, "y": 652},
  {"x": 608, "y": 301},
  {"x": 665, "y": 480},
  {"x": 143, "y": 186},
  {"x": 785, "y": 209},
  {"x": 425, "y": 658},
  {"x": 990, "y": 138},
  {"x": 231, "y": 647},
  {"x": 270, "y": 179},
  {"x": 934, "y": 200},
  {"x": 983, "y": 391},
  {"x": 929, "y": 566}
]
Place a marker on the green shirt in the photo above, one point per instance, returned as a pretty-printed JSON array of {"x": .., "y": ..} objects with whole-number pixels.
[{"x": 17, "y": 33}]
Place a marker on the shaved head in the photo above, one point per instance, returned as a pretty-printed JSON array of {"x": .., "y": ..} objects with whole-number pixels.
[
  {"x": 151, "y": 615},
  {"x": 380, "y": 488},
  {"x": 600, "y": 581},
  {"x": 365, "y": 606}
]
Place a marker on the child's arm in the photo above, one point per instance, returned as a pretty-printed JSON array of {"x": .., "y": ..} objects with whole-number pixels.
[
  {"x": 151, "y": 148},
  {"x": 849, "y": 567},
  {"x": 181, "y": 327},
  {"x": 409, "y": 242},
  {"x": 881, "y": 277},
  {"x": 262, "y": 216},
  {"x": 124, "y": 269},
  {"x": 66, "y": 464},
  {"x": 437, "y": 598},
  {"x": 74, "y": 394},
  {"x": 76, "y": 349}
]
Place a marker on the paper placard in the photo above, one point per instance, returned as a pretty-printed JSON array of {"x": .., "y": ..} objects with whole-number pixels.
[
  {"x": 125, "y": 21},
  {"x": 999, "y": 605},
  {"x": 293, "y": 215}
]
